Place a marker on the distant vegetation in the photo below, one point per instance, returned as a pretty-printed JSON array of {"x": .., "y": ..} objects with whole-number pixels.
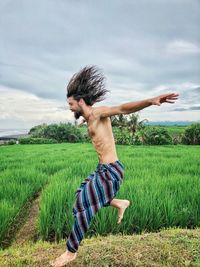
[
  {"x": 127, "y": 130},
  {"x": 191, "y": 135},
  {"x": 54, "y": 133}
]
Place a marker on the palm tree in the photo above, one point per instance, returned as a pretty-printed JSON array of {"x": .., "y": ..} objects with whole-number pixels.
[
  {"x": 133, "y": 123},
  {"x": 119, "y": 121}
]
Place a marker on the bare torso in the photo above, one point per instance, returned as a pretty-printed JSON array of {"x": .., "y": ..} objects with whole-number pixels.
[{"x": 100, "y": 131}]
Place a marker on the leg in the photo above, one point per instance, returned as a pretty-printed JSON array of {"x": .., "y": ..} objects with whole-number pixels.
[
  {"x": 81, "y": 225},
  {"x": 79, "y": 229},
  {"x": 121, "y": 205},
  {"x": 84, "y": 209}
]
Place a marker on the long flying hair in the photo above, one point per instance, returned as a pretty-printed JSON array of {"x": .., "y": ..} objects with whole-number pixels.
[{"x": 89, "y": 84}]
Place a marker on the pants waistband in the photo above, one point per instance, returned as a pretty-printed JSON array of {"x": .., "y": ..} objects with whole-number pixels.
[{"x": 101, "y": 166}]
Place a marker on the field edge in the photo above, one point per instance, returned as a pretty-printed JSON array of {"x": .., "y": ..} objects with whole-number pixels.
[{"x": 171, "y": 247}]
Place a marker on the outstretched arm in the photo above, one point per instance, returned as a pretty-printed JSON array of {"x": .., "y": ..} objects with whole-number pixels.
[{"x": 131, "y": 107}]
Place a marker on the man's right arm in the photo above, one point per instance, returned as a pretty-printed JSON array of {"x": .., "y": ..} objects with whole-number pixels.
[
  {"x": 131, "y": 107},
  {"x": 125, "y": 108}
]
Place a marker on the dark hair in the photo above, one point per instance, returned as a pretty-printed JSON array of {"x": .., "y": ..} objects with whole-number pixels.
[{"x": 88, "y": 84}]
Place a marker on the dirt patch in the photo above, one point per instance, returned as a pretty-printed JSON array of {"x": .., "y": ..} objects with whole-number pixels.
[
  {"x": 28, "y": 230},
  {"x": 24, "y": 227}
]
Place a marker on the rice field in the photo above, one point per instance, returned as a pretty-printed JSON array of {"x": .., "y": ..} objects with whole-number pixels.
[
  {"x": 162, "y": 182},
  {"x": 173, "y": 130}
]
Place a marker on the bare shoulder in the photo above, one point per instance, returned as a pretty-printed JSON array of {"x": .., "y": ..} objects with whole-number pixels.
[
  {"x": 107, "y": 111},
  {"x": 98, "y": 111}
]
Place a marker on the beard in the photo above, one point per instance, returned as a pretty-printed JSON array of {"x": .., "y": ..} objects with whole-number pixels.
[{"x": 77, "y": 114}]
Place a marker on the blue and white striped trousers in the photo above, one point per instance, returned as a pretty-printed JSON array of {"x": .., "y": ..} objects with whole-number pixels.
[{"x": 95, "y": 192}]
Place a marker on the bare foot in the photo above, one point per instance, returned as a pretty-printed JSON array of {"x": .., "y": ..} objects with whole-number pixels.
[
  {"x": 124, "y": 204},
  {"x": 66, "y": 257}
]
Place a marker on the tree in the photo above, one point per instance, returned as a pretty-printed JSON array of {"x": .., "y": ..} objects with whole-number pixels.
[
  {"x": 133, "y": 124},
  {"x": 38, "y": 130},
  {"x": 128, "y": 125},
  {"x": 62, "y": 132},
  {"x": 119, "y": 121}
]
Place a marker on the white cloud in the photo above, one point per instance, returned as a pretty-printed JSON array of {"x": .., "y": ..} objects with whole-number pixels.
[
  {"x": 174, "y": 87},
  {"x": 159, "y": 115},
  {"x": 30, "y": 109},
  {"x": 182, "y": 47},
  {"x": 188, "y": 97}
]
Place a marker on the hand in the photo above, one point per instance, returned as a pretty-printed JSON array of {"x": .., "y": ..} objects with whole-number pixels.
[
  {"x": 164, "y": 98},
  {"x": 81, "y": 123}
]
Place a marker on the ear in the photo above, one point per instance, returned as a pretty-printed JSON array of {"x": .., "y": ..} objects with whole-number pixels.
[{"x": 81, "y": 101}]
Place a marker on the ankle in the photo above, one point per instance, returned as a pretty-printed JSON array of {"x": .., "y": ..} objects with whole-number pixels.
[{"x": 71, "y": 253}]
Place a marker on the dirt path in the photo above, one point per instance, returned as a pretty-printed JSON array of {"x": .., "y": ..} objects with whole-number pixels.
[
  {"x": 28, "y": 230},
  {"x": 24, "y": 227}
]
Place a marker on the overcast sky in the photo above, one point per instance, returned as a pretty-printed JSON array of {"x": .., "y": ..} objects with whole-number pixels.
[{"x": 144, "y": 48}]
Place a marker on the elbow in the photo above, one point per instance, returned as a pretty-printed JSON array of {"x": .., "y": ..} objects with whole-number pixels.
[{"x": 123, "y": 111}]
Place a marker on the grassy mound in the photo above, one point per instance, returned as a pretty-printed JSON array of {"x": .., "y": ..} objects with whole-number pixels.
[{"x": 171, "y": 247}]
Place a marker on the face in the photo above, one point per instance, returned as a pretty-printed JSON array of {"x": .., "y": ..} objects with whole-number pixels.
[{"x": 75, "y": 107}]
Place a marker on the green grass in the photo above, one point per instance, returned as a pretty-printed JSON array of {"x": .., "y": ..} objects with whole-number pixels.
[
  {"x": 172, "y": 247},
  {"x": 162, "y": 183},
  {"x": 18, "y": 184}
]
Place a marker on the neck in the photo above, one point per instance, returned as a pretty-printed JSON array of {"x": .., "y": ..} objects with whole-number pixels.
[{"x": 86, "y": 113}]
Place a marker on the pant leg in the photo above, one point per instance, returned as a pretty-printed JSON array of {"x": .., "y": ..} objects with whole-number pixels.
[
  {"x": 88, "y": 203},
  {"x": 96, "y": 191},
  {"x": 79, "y": 230}
]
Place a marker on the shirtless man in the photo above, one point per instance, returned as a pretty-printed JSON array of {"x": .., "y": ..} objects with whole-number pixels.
[{"x": 84, "y": 89}]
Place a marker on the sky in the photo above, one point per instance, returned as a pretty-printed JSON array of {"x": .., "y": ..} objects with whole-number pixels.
[{"x": 143, "y": 48}]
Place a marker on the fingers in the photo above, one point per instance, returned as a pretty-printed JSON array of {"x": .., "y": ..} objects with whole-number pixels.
[
  {"x": 174, "y": 94},
  {"x": 170, "y": 95},
  {"x": 169, "y": 101},
  {"x": 172, "y": 98}
]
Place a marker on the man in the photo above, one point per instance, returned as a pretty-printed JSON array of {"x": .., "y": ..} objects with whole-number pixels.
[{"x": 99, "y": 189}]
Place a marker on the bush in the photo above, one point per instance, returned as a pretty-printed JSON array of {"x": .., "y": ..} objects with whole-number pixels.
[
  {"x": 38, "y": 131},
  {"x": 176, "y": 139},
  {"x": 155, "y": 136},
  {"x": 191, "y": 135},
  {"x": 137, "y": 138},
  {"x": 11, "y": 142},
  {"x": 86, "y": 138},
  {"x": 63, "y": 132},
  {"x": 32, "y": 140},
  {"x": 122, "y": 136}
]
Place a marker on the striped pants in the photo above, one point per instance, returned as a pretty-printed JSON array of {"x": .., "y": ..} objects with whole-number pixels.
[{"x": 95, "y": 192}]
